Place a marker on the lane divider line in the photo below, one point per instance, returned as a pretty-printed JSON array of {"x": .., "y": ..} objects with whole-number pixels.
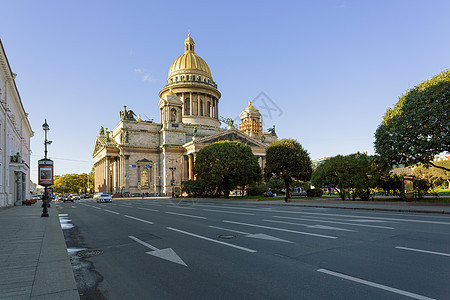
[
  {"x": 150, "y": 209},
  {"x": 376, "y": 285},
  {"x": 191, "y": 216},
  {"x": 424, "y": 251},
  {"x": 137, "y": 219},
  {"x": 212, "y": 240},
  {"x": 113, "y": 212},
  {"x": 229, "y": 212},
  {"x": 281, "y": 229}
]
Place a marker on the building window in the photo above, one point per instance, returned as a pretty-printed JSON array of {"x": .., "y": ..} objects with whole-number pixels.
[
  {"x": 176, "y": 78},
  {"x": 201, "y": 107},
  {"x": 187, "y": 106},
  {"x": 208, "y": 109},
  {"x": 182, "y": 77}
]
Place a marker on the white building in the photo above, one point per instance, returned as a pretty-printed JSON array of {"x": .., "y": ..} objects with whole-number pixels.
[{"x": 15, "y": 134}]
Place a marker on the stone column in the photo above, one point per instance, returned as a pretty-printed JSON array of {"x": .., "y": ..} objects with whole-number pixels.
[
  {"x": 191, "y": 104},
  {"x": 190, "y": 166},
  {"x": 217, "y": 109},
  {"x": 108, "y": 183},
  {"x": 24, "y": 186},
  {"x": 19, "y": 189}
]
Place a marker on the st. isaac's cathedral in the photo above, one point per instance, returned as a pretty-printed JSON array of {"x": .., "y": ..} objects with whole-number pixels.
[{"x": 140, "y": 156}]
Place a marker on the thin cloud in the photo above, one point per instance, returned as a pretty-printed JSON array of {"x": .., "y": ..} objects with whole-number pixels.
[{"x": 146, "y": 76}]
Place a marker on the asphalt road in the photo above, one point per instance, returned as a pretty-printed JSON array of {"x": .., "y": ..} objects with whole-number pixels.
[{"x": 166, "y": 249}]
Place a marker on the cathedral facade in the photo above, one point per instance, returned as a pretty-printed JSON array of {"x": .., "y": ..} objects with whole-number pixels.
[{"x": 140, "y": 156}]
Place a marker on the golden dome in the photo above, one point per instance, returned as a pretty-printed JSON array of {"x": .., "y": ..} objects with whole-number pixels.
[
  {"x": 250, "y": 109},
  {"x": 189, "y": 61}
]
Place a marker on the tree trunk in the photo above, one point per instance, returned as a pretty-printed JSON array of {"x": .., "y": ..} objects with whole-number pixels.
[{"x": 286, "y": 186}]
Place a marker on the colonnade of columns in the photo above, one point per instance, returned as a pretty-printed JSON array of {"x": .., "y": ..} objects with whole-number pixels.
[{"x": 199, "y": 104}]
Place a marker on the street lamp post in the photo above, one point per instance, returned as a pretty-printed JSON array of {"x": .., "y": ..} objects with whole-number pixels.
[
  {"x": 45, "y": 166},
  {"x": 172, "y": 168}
]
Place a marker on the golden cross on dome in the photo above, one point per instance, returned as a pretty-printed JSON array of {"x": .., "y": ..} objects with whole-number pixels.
[{"x": 249, "y": 101}]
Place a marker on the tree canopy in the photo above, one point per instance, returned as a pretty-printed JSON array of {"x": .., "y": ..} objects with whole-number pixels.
[
  {"x": 435, "y": 176},
  {"x": 73, "y": 183},
  {"x": 225, "y": 165},
  {"x": 418, "y": 127},
  {"x": 354, "y": 172},
  {"x": 286, "y": 159}
]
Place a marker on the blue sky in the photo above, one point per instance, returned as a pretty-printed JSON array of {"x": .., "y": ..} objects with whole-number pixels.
[{"x": 328, "y": 70}]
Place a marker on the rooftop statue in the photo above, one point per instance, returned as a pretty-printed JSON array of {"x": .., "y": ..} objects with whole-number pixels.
[{"x": 272, "y": 131}]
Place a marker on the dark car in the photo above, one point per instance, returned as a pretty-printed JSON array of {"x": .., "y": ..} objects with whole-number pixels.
[{"x": 67, "y": 197}]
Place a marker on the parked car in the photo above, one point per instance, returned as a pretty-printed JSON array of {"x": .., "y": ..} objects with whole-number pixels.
[
  {"x": 58, "y": 198},
  {"x": 35, "y": 197},
  {"x": 104, "y": 197},
  {"x": 67, "y": 197},
  {"x": 75, "y": 197},
  {"x": 96, "y": 195}
]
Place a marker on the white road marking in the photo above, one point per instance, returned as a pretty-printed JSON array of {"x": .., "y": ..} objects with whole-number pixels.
[
  {"x": 311, "y": 226},
  {"x": 129, "y": 206},
  {"x": 231, "y": 230},
  {"x": 191, "y": 216},
  {"x": 229, "y": 212},
  {"x": 256, "y": 235},
  {"x": 424, "y": 251},
  {"x": 211, "y": 240},
  {"x": 376, "y": 285},
  {"x": 74, "y": 206},
  {"x": 281, "y": 229},
  {"x": 152, "y": 204},
  {"x": 335, "y": 222},
  {"x": 95, "y": 207},
  {"x": 182, "y": 207},
  {"x": 137, "y": 219},
  {"x": 167, "y": 254},
  {"x": 375, "y": 218},
  {"x": 113, "y": 212},
  {"x": 143, "y": 208},
  {"x": 369, "y": 221}
]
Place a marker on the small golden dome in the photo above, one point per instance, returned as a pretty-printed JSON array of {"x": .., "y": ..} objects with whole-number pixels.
[
  {"x": 189, "y": 61},
  {"x": 139, "y": 118},
  {"x": 251, "y": 109}
]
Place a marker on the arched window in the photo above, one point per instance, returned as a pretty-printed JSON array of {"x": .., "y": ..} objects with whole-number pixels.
[
  {"x": 201, "y": 107},
  {"x": 173, "y": 115},
  {"x": 187, "y": 106}
]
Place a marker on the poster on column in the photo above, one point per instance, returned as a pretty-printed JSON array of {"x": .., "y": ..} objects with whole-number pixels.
[{"x": 45, "y": 171}]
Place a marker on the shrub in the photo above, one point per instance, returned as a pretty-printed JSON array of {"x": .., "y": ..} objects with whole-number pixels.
[
  {"x": 257, "y": 190},
  {"x": 314, "y": 193}
]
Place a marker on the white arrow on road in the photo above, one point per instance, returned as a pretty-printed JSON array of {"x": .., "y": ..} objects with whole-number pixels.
[
  {"x": 167, "y": 254},
  {"x": 262, "y": 236}
]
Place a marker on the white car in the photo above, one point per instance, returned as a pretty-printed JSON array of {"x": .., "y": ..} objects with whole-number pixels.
[
  {"x": 75, "y": 197},
  {"x": 104, "y": 197}
]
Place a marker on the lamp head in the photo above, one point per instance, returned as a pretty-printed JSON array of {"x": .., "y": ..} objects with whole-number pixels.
[{"x": 45, "y": 126}]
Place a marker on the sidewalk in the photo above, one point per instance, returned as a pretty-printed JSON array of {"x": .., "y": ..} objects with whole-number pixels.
[{"x": 34, "y": 263}]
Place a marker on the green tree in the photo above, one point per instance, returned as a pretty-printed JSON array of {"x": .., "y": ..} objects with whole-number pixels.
[
  {"x": 286, "y": 159},
  {"x": 226, "y": 165},
  {"x": 354, "y": 173},
  {"x": 73, "y": 183},
  {"x": 418, "y": 127},
  {"x": 435, "y": 176}
]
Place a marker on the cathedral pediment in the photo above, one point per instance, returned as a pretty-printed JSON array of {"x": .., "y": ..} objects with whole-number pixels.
[{"x": 231, "y": 135}]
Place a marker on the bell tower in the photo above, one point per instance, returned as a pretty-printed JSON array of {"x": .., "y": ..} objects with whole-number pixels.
[{"x": 251, "y": 121}]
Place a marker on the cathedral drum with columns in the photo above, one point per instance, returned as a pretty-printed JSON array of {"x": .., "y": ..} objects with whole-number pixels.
[{"x": 140, "y": 156}]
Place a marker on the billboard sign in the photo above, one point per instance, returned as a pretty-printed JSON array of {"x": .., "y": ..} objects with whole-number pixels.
[{"x": 45, "y": 171}]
